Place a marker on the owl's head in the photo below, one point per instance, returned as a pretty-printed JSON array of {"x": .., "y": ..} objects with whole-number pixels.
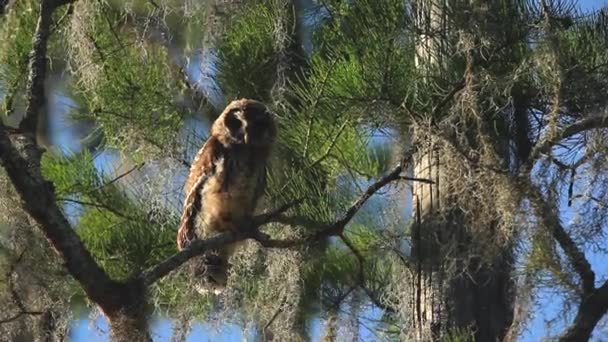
[{"x": 245, "y": 122}]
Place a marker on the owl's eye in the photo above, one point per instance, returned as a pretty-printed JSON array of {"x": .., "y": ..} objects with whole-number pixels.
[{"x": 233, "y": 123}]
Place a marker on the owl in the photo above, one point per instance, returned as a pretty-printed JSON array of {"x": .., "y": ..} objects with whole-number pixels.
[{"x": 227, "y": 178}]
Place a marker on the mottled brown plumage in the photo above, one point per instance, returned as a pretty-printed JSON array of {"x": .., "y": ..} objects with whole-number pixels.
[{"x": 227, "y": 177}]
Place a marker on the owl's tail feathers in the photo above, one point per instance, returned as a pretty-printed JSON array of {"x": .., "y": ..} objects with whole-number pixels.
[{"x": 210, "y": 274}]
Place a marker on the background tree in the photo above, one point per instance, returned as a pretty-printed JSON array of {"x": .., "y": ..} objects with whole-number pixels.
[{"x": 495, "y": 110}]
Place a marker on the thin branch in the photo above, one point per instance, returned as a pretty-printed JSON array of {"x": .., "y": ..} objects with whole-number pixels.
[
  {"x": 336, "y": 304},
  {"x": 314, "y": 106},
  {"x": 275, "y": 315},
  {"x": 137, "y": 167},
  {"x": 354, "y": 208},
  {"x": 325, "y": 155},
  {"x": 449, "y": 96},
  {"x": 415, "y": 179},
  {"x": 99, "y": 206},
  {"x": 337, "y": 227},
  {"x": 271, "y": 215},
  {"x": 299, "y": 221}
]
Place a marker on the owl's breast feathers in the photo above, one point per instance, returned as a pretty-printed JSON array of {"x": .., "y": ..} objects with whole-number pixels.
[{"x": 222, "y": 190}]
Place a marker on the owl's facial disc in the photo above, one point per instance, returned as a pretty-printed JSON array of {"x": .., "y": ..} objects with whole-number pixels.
[
  {"x": 247, "y": 122},
  {"x": 237, "y": 127}
]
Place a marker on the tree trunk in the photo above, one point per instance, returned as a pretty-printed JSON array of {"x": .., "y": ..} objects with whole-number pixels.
[
  {"x": 455, "y": 294},
  {"x": 478, "y": 296},
  {"x": 126, "y": 313},
  {"x": 129, "y": 326}
]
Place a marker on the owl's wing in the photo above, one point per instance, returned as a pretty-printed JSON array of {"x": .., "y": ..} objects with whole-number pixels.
[{"x": 203, "y": 167}]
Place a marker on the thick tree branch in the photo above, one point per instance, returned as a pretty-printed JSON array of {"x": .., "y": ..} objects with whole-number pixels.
[
  {"x": 20, "y": 157},
  {"x": 591, "y": 309},
  {"x": 22, "y": 164},
  {"x": 198, "y": 247}
]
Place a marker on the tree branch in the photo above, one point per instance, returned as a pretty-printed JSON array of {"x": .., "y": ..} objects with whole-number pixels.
[
  {"x": 337, "y": 227},
  {"x": 599, "y": 120},
  {"x": 37, "y": 65},
  {"x": 299, "y": 221},
  {"x": 416, "y": 179},
  {"x": 198, "y": 247},
  {"x": 20, "y": 157},
  {"x": 271, "y": 215},
  {"x": 39, "y": 202},
  {"x": 591, "y": 309},
  {"x": 550, "y": 219}
]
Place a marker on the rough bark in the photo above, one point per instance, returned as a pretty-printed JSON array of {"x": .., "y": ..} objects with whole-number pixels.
[{"x": 50, "y": 327}]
